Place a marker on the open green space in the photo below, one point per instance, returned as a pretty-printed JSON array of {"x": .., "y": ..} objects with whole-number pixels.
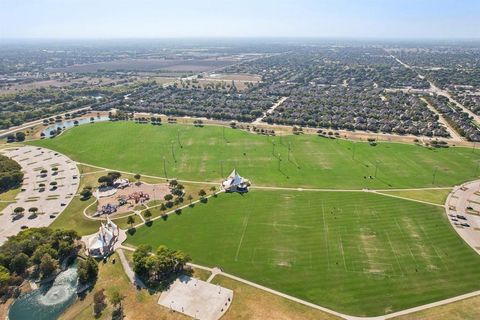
[
  {"x": 72, "y": 218},
  {"x": 211, "y": 152},
  {"x": 354, "y": 252}
]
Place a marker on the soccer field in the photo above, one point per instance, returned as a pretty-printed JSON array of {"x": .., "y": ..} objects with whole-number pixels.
[
  {"x": 210, "y": 153},
  {"x": 359, "y": 253},
  {"x": 354, "y": 252}
]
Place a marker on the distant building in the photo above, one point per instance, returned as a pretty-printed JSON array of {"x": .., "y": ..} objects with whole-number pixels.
[{"x": 235, "y": 183}]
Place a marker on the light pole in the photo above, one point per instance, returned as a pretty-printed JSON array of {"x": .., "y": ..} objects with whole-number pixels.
[
  {"x": 164, "y": 168},
  {"x": 178, "y": 138},
  {"x": 273, "y": 148},
  {"x": 173, "y": 152},
  {"x": 279, "y": 160},
  {"x": 353, "y": 150},
  {"x": 476, "y": 170},
  {"x": 376, "y": 167},
  {"x": 289, "y": 148},
  {"x": 434, "y": 174},
  {"x": 221, "y": 166}
]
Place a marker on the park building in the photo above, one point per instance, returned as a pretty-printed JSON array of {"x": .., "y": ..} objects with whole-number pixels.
[
  {"x": 235, "y": 183},
  {"x": 102, "y": 243}
]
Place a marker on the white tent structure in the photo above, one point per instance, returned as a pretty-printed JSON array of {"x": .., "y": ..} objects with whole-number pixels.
[
  {"x": 235, "y": 183},
  {"x": 102, "y": 243}
]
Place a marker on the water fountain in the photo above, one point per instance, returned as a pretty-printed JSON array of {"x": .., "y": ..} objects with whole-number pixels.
[{"x": 49, "y": 301}]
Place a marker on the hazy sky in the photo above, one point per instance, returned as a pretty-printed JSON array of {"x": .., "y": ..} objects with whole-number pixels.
[{"x": 239, "y": 18}]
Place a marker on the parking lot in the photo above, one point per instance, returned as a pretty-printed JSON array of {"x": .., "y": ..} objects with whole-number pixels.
[
  {"x": 50, "y": 182},
  {"x": 463, "y": 210}
]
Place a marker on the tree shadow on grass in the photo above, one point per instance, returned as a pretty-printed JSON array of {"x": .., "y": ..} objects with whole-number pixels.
[{"x": 132, "y": 231}]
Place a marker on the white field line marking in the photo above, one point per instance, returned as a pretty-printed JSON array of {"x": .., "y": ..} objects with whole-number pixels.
[
  {"x": 295, "y": 226},
  {"x": 395, "y": 253},
  {"x": 245, "y": 224},
  {"x": 326, "y": 237},
  {"x": 343, "y": 254}
]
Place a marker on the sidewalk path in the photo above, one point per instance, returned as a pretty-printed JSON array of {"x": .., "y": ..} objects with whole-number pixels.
[{"x": 134, "y": 279}]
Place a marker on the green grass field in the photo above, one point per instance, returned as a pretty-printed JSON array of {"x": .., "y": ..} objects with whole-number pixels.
[
  {"x": 359, "y": 253},
  {"x": 200, "y": 153},
  {"x": 354, "y": 252}
]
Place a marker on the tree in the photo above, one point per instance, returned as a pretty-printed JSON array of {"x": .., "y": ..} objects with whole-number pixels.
[
  {"x": 139, "y": 258},
  {"x": 41, "y": 251},
  {"x": 47, "y": 265},
  {"x": 18, "y": 210},
  {"x": 168, "y": 197},
  {"x": 147, "y": 214},
  {"x": 116, "y": 298},
  {"x": 190, "y": 198},
  {"x": 137, "y": 177},
  {"x": 20, "y": 136},
  {"x": 106, "y": 180},
  {"x": 99, "y": 302},
  {"x": 86, "y": 194},
  {"x": 19, "y": 263},
  {"x": 114, "y": 174},
  {"x": 4, "y": 277},
  {"x": 173, "y": 183},
  {"x": 131, "y": 221},
  {"x": 87, "y": 270},
  {"x": 213, "y": 189},
  {"x": 163, "y": 207},
  {"x": 33, "y": 210},
  {"x": 202, "y": 193}
]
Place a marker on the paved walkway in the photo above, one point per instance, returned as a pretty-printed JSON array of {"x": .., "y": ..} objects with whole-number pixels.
[{"x": 134, "y": 279}]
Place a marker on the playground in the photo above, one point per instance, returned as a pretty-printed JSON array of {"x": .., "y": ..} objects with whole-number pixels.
[{"x": 126, "y": 199}]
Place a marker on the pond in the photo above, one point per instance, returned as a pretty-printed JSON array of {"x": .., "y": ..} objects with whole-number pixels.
[
  {"x": 70, "y": 123},
  {"x": 49, "y": 301}
]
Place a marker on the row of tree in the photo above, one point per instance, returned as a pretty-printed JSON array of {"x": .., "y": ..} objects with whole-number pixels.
[{"x": 11, "y": 175}]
